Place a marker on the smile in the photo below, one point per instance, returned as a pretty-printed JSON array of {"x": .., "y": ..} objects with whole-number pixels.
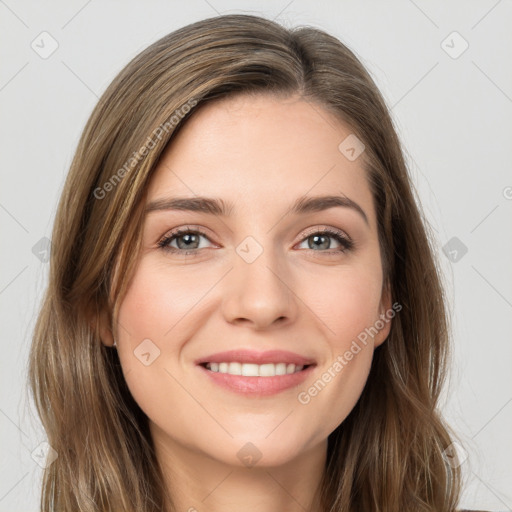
[{"x": 255, "y": 374}]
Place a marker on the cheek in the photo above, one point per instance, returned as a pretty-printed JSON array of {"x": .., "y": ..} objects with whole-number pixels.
[
  {"x": 157, "y": 301},
  {"x": 151, "y": 308},
  {"x": 347, "y": 302}
]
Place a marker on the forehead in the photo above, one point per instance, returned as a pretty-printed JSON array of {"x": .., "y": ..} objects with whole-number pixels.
[{"x": 260, "y": 152}]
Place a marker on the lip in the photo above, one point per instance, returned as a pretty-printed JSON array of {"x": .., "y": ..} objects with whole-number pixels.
[
  {"x": 257, "y": 386},
  {"x": 252, "y": 356}
]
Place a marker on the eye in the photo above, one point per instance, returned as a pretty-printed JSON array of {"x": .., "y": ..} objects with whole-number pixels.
[
  {"x": 188, "y": 241},
  {"x": 319, "y": 240}
]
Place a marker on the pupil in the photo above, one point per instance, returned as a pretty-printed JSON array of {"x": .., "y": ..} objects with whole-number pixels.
[
  {"x": 189, "y": 237},
  {"x": 324, "y": 245}
]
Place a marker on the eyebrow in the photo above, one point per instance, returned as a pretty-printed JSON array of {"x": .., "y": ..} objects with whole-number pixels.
[{"x": 220, "y": 207}]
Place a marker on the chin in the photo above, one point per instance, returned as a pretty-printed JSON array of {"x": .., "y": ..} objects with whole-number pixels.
[{"x": 258, "y": 451}]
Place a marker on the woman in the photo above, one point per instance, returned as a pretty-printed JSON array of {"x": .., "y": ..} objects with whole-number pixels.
[{"x": 244, "y": 308}]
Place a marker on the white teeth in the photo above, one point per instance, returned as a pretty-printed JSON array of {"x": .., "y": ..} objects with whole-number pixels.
[
  {"x": 255, "y": 370},
  {"x": 281, "y": 369},
  {"x": 235, "y": 369},
  {"x": 267, "y": 370},
  {"x": 250, "y": 370}
]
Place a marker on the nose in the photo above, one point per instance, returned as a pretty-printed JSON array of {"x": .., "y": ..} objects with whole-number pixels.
[{"x": 260, "y": 294}]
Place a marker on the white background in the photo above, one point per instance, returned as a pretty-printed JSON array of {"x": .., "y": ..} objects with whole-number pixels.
[{"x": 454, "y": 118}]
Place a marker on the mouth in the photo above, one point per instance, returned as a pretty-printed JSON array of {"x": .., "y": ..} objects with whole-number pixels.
[{"x": 256, "y": 373}]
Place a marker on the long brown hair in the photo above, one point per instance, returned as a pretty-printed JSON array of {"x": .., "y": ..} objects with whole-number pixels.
[{"x": 388, "y": 453}]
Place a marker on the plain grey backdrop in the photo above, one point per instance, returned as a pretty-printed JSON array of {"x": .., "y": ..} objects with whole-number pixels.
[{"x": 445, "y": 72}]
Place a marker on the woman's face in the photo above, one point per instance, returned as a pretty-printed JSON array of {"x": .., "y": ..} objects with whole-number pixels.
[{"x": 260, "y": 288}]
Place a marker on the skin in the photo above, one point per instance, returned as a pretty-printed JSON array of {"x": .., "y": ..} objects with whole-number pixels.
[{"x": 261, "y": 153}]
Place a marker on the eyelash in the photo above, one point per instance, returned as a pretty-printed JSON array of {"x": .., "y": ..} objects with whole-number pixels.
[{"x": 346, "y": 243}]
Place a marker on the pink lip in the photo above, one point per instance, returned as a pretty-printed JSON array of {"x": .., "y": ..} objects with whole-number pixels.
[
  {"x": 257, "y": 386},
  {"x": 251, "y": 356}
]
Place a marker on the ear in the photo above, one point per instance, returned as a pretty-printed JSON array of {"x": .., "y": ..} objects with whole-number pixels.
[
  {"x": 100, "y": 323},
  {"x": 384, "y": 316}
]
